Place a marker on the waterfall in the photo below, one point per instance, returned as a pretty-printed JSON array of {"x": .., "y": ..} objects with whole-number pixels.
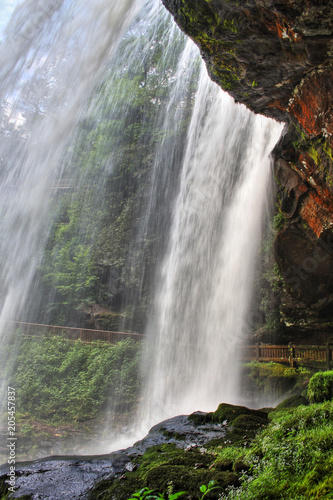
[
  {"x": 51, "y": 55},
  {"x": 201, "y": 311},
  {"x": 201, "y": 204},
  {"x": 48, "y": 66}
]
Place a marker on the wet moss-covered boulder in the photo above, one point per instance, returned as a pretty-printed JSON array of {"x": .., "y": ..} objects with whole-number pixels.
[
  {"x": 228, "y": 413},
  {"x": 321, "y": 387},
  {"x": 241, "y": 423},
  {"x": 189, "y": 473},
  {"x": 293, "y": 402}
]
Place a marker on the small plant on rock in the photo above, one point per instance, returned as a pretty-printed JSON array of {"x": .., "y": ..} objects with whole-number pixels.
[
  {"x": 148, "y": 494},
  {"x": 205, "y": 489}
]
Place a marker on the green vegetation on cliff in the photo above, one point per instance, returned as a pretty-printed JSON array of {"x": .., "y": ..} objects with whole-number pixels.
[
  {"x": 111, "y": 221},
  {"x": 63, "y": 385},
  {"x": 59, "y": 380}
]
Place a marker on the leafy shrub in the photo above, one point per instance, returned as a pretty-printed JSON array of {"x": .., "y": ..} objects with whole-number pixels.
[
  {"x": 321, "y": 387},
  {"x": 62, "y": 381},
  {"x": 291, "y": 458}
]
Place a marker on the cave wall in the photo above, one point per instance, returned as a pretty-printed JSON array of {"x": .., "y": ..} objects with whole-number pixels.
[{"x": 275, "y": 56}]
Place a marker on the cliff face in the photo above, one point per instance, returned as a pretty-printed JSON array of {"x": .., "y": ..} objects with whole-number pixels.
[{"x": 276, "y": 57}]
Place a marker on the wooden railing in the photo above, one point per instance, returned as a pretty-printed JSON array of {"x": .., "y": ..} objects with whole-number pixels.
[
  {"x": 311, "y": 355},
  {"x": 83, "y": 334}
]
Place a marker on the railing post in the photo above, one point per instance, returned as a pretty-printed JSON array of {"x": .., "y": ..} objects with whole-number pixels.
[
  {"x": 291, "y": 354},
  {"x": 328, "y": 356},
  {"x": 257, "y": 352}
]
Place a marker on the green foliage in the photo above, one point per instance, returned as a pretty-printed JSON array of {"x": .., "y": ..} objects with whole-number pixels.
[
  {"x": 278, "y": 221},
  {"x": 275, "y": 379},
  {"x": 143, "y": 493},
  {"x": 104, "y": 242},
  {"x": 168, "y": 469},
  {"x": 62, "y": 381},
  {"x": 206, "y": 489},
  {"x": 321, "y": 387},
  {"x": 149, "y": 494},
  {"x": 291, "y": 458}
]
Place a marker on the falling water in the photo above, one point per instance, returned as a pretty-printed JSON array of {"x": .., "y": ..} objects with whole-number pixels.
[
  {"x": 202, "y": 306},
  {"x": 204, "y": 198},
  {"x": 50, "y": 57},
  {"x": 48, "y": 65}
]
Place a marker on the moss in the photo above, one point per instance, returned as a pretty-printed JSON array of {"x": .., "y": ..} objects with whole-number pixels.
[
  {"x": 318, "y": 483},
  {"x": 225, "y": 464},
  {"x": 275, "y": 379},
  {"x": 192, "y": 458},
  {"x": 190, "y": 479},
  {"x": 319, "y": 151},
  {"x": 163, "y": 466},
  {"x": 240, "y": 466},
  {"x": 230, "y": 25},
  {"x": 285, "y": 441},
  {"x": 3, "y": 489},
  {"x": 321, "y": 387},
  {"x": 123, "y": 487},
  {"x": 226, "y": 74},
  {"x": 5, "y": 494},
  {"x": 200, "y": 418},
  {"x": 244, "y": 428},
  {"x": 207, "y": 29},
  {"x": 314, "y": 154},
  {"x": 196, "y": 16},
  {"x": 328, "y": 150},
  {"x": 229, "y": 413},
  {"x": 293, "y": 402}
]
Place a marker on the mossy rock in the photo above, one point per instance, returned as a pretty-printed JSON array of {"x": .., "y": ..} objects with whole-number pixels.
[
  {"x": 241, "y": 466},
  {"x": 228, "y": 413},
  {"x": 191, "y": 458},
  {"x": 320, "y": 387},
  {"x": 293, "y": 402},
  {"x": 189, "y": 479},
  {"x": 200, "y": 418},
  {"x": 184, "y": 470},
  {"x": 224, "y": 465},
  {"x": 244, "y": 428}
]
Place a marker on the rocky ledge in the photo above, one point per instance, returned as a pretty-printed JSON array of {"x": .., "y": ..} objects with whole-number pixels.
[
  {"x": 275, "y": 56},
  {"x": 182, "y": 441}
]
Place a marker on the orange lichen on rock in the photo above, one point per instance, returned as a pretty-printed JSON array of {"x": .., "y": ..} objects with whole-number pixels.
[
  {"x": 280, "y": 27},
  {"x": 317, "y": 206},
  {"x": 317, "y": 213},
  {"x": 312, "y": 103}
]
